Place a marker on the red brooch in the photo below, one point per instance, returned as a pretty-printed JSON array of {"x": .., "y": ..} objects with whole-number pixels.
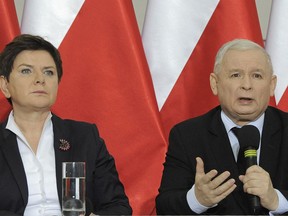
[{"x": 64, "y": 145}]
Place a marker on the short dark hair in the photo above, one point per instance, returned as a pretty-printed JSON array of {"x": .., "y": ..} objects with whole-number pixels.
[{"x": 27, "y": 42}]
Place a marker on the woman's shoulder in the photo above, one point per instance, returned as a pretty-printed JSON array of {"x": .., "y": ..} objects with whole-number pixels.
[{"x": 71, "y": 122}]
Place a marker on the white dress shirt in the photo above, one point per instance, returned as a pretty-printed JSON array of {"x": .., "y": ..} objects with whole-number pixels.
[
  {"x": 40, "y": 170},
  {"x": 229, "y": 124}
]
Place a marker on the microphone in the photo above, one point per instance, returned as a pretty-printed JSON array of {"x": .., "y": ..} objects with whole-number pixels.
[{"x": 249, "y": 138}]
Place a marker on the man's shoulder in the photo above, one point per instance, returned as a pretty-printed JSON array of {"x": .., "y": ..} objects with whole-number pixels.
[
  {"x": 204, "y": 119},
  {"x": 275, "y": 112}
]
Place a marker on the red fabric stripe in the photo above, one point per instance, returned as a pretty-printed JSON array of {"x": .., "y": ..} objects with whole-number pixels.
[
  {"x": 191, "y": 95},
  {"x": 9, "y": 28},
  {"x": 107, "y": 81}
]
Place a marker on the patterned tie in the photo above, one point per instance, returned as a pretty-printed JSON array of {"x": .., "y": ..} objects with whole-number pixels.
[{"x": 240, "y": 158}]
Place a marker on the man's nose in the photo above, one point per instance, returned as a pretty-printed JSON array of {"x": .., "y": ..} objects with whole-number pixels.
[{"x": 246, "y": 82}]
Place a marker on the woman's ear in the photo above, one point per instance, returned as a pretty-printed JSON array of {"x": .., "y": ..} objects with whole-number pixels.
[{"x": 4, "y": 86}]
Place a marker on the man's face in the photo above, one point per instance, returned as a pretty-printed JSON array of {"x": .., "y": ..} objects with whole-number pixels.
[{"x": 244, "y": 85}]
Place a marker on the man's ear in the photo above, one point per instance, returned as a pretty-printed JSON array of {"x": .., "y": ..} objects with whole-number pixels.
[
  {"x": 4, "y": 86},
  {"x": 273, "y": 85},
  {"x": 213, "y": 83}
]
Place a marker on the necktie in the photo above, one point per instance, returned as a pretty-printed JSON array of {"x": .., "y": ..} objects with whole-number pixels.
[
  {"x": 242, "y": 169},
  {"x": 240, "y": 158}
]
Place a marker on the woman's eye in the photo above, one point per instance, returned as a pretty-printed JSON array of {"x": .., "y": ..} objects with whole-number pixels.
[
  {"x": 49, "y": 72},
  {"x": 25, "y": 71}
]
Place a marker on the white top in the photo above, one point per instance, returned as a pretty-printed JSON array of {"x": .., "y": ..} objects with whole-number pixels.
[{"x": 40, "y": 170}]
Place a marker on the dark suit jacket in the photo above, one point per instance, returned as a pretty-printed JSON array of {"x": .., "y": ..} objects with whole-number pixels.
[
  {"x": 205, "y": 136},
  {"x": 104, "y": 192}
]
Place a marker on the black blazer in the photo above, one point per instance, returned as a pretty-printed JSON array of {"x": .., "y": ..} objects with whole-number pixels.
[
  {"x": 205, "y": 136},
  {"x": 104, "y": 191}
]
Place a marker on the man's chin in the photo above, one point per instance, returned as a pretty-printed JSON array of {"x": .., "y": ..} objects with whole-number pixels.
[{"x": 248, "y": 116}]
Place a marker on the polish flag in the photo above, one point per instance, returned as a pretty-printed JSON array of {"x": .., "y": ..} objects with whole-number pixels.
[
  {"x": 277, "y": 46},
  {"x": 9, "y": 28},
  {"x": 181, "y": 39},
  {"x": 107, "y": 81}
]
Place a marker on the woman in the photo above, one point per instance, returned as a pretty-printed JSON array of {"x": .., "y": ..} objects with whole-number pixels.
[{"x": 34, "y": 142}]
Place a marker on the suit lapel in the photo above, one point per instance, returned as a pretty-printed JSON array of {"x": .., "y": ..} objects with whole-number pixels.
[
  {"x": 221, "y": 147},
  {"x": 224, "y": 158},
  {"x": 270, "y": 143},
  {"x": 60, "y": 132},
  {"x": 10, "y": 150}
]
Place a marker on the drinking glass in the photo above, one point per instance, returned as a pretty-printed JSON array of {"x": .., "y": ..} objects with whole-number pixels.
[{"x": 73, "y": 188}]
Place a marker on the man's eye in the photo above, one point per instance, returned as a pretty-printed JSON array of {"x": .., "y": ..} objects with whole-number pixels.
[
  {"x": 235, "y": 75},
  {"x": 25, "y": 71},
  {"x": 257, "y": 76}
]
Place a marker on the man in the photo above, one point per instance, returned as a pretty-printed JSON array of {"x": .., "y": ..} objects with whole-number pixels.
[{"x": 200, "y": 172}]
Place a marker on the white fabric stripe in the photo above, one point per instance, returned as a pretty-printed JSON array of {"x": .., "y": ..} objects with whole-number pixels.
[
  {"x": 171, "y": 31},
  {"x": 277, "y": 45},
  {"x": 50, "y": 19}
]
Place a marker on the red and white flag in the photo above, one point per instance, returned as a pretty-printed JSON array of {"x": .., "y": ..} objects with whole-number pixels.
[
  {"x": 107, "y": 81},
  {"x": 277, "y": 46},
  {"x": 9, "y": 28},
  {"x": 181, "y": 39}
]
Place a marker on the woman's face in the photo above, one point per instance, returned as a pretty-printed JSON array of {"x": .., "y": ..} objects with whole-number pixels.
[{"x": 33, "y": 81}]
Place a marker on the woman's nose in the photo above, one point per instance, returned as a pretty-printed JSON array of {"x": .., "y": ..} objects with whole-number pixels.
[{"x": 39, "y": 78}]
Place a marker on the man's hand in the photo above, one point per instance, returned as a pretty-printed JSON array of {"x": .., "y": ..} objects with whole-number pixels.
[
  {"x": 210, "y": 192},
  {"x": 257, "y": 181}
]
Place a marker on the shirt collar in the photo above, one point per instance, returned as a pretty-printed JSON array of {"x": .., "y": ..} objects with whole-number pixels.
[
  {"x": 12, "y": 126},
  {"x": 229, "y": 124}
]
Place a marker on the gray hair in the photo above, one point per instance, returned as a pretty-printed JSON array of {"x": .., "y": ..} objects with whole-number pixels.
[{"x": 240, "y": 45}]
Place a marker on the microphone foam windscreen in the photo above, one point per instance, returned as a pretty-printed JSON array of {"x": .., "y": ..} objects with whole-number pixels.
[{"x": 248, "y": 136}]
